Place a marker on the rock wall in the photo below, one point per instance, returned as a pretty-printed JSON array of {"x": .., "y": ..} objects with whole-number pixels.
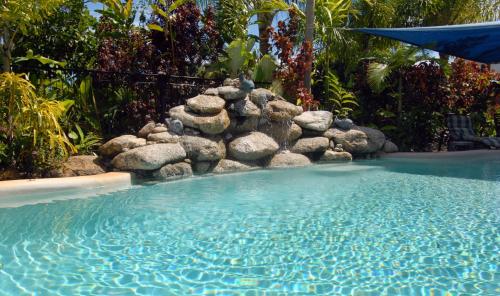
[{"x": 228, "y": 130}]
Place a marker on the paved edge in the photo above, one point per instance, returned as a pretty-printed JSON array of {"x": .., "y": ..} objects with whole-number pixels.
[
  {"x": 465, "y": 155},
  {"x": 114, "y": 180}
]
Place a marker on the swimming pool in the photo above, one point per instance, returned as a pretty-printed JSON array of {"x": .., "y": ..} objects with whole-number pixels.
[{"x": 367, "y": 228}]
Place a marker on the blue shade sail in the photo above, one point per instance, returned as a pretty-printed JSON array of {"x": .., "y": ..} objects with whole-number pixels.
[{"x": 476, "y": 42}]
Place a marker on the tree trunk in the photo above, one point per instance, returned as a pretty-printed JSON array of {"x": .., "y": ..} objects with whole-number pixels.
[
  {"x": 7, "y": 47},
  {"x": 309, "y": 37}
]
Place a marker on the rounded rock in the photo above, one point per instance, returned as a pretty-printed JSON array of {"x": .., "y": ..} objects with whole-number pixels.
[{"x": 253, "y": 146}]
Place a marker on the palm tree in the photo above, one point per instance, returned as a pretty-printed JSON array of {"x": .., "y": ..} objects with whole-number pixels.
[{"x": 309, "y": 37}]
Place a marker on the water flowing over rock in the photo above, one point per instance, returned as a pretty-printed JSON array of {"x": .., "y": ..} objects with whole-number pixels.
[
  {"x": 230, "y": 93},
  {"x": 174, "y": 171},
  {"x": 120, "y": 144},
  {"x": 289, "y": 159},
  {"x": 245, "y": 108},
  {"x": 315, "y": 120},
  {"x": 390, "y": 147},
  {"x": 146, "y": 130},
  {"x": 203, "y": 149},
  {"x": 208, "y": 124},
  {"x": 353, "y": 141},
  {"x": 241, "y": 125},
  {"x": 261, "y": 96},
  {"x": 165, "y": 137},
  {"x": 150, "y": 157},
  {"x": 282, "y": 132},
  {"x": 253, "y": 146},
  {"x": 203, "y": 104},
  {"x": 332, "y": 156},
  {"x": 311, "y": 145},
  {"x": 279, "y": 110},
  {"x": 225, "y": 166},
  {"x": 376, "y": 139}
]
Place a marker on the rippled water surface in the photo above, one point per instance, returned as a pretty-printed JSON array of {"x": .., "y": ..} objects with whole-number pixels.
[{"x": 368, "y": 228}]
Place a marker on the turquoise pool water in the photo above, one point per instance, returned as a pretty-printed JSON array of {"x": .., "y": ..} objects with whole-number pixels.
[{"x": 367, "y": 228}]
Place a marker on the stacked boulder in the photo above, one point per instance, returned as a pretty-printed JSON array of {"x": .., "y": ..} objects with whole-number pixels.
[{"x": 227, "y": 129}]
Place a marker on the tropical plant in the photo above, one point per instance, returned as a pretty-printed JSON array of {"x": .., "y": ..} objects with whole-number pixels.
[
  {"x": 84, "y": 143},
  {"x": 33, "y": 134},
  {"x": 67, "y": 35},
  {"x": 342, "y": 101},
  {"x": 16, "y": 18},
  {"x": 379, "y": 73}
]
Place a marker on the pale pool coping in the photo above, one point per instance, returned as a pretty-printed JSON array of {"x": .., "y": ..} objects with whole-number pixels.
[
  {"x": 465, "y": 155},
  {"x": 16, "y": 193}
]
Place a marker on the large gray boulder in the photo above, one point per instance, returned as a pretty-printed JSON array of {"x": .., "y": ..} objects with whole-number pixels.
[
  {"x": 164, "y": 137},
  {"x": 174, "y": 171},
  {"x": 288, "y": 159},
  {"x": 253, "y": 146},
  {"x": 315, "y": 120},
  {"x": 230, "y": 93},
  {"x": 311, "y": 145},
  {"x": 332, "y": 156},
  {"x": 149, "y": 157},
  {"x": 376, "y": 139},
  {"x": 261, "y": 96},
  {"x": 245, "y": 108},
  {"x": 120, "y": 144},
  {"x": 390, "y": 147},
  {"x": 146, "y": 130},
  {"x": 209, "y": 124},
  {"x": 353, "y": 141},
  {"x": 203, "y": 149},
  {"x": 282, "y": 132},
  {"x": 280, "y": 110},
  {"x": 225, "y": 166},
  {"x": 204, "y": 104}
]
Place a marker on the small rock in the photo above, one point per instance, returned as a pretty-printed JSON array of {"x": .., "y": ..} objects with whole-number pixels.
[
  {"x": 202, "y": 167},
  {"x": 211, "y": 125},
  {"x": 288, "y": 159},
  {"x": 211, "y": 92},
  {"x": 119, "y": 144},
  {"x": 390, "y": 147},
  {"x": 203, "y": 104},
  {"x": 149, "y": 157},
  {"x": 315, "y": 120},
  {"x": 174, "y": 171},
  {"x": 231, "y": 166},
  {"x": 252, "y": 146},
  {"x": 146, "y": 130},
  {"x": 311, "y": 145},
  {"x": 344, "y": 123},
  {"x": 245, "y": 108},
  {"x": 352, "y": 141},
  {"x": 279, "y": 110},
  {"x": 261, "y": 96},
  {"x": 231, "y": 82},
  {"x": 164, "y": 137},
  {"x": 332, "y": 156},
  {"x": 230, "y": 93},
  {"x": 175, "y": 126},
  {"x": 159, "y": 129}
]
